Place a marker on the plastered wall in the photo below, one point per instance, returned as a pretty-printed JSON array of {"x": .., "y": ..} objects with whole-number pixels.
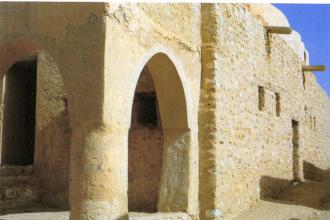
[
  {"x": 53, "y": 33},
  {"x": 53, "y": 134},
  {"x": 143, "y": 37}
]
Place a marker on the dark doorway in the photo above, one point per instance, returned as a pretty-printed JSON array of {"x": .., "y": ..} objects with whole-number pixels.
[
  {"x": 19, "y": 101},
  {"x": 295, "y": 151},
  {"x": 145, "y": 148}
]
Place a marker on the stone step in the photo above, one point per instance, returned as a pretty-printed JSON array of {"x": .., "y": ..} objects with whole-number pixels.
[
  {"x": 15, "y": 181},
  {"x": 16, "y": 197},
  {"x": 18, "y": 187},
  {"x": 8, "y": 170},
  {"x": 159, "y": 216}
]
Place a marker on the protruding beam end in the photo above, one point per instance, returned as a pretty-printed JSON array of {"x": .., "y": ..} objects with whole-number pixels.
[
  {"x": 278, "y": 30},
  {"x": 311, "y": 68}
]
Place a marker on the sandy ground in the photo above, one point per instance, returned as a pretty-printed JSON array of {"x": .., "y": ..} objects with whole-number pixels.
[
  {"x": 309, "y": 200},
  {"x": 266, "y": 210},
  {"x": 41, "y": 213},
  {"x": 263, "y": 211}
]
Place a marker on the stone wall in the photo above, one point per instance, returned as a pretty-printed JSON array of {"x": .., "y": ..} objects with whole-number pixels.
[{"x": 254, "y": 148}]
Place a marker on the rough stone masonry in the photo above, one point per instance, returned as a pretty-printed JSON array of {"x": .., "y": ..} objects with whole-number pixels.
[{"x": 180, "y": 108}]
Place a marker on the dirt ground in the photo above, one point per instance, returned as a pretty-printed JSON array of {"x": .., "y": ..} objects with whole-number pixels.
[
  {"x": 51, "y": 214},
  {"x": 266, "y": 210},
  {"x": 309, "y": 200},
  {"x": 263, "y": 211}
]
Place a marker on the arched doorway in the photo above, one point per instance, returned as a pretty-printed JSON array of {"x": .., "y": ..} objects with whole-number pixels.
[
  {"x": 145, "y": 149},
  {"x": 159, "y": 139},
  {"x": 36, "y": 134},
  {"x": 19, "y": 107}
]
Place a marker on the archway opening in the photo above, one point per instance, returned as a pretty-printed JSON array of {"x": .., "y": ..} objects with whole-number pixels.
[
  {"x": 35, "y": 134},
  {"x": 159, "y": 139},
  {"x": 19, "y": 111},
  {"x": 145, "y": 147}
]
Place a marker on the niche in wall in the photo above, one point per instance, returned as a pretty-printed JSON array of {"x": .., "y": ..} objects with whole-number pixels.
[
  {"x": 295, "y": 150},
  {"x": 261, "y": 93}
]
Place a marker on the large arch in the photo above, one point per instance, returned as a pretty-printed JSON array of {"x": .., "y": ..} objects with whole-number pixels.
[
  {"x": 103, "y": 160},
  {"x": 172, "y": 105}
]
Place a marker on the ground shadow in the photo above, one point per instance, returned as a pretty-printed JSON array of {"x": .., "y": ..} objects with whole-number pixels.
[
  {"x": 312, "y": 172},
  {"x": 314, "y": 192},
  {"x": 32, "y": 209}
]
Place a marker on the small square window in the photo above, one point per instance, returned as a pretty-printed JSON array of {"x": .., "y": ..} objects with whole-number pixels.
[
  {"x": 261, "y": 91},
  {"x": 147, "y": 108},
  {"x": 278, "y": 104}
]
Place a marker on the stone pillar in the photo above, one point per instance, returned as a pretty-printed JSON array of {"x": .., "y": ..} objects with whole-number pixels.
[
  {"x": 173, "y": 195},
  {"x": 98, "y": 187},
  {"x": 208, "y": 126}
]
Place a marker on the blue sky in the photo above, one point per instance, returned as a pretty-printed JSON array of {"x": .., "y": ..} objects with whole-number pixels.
[{"x": 312, "y": 21}]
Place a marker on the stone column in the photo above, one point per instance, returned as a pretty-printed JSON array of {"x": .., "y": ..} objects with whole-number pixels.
[
  {"x": 173, "y": 196},
  {"x": 208, "y": 127},
  {"x": 98, "y": 187}
]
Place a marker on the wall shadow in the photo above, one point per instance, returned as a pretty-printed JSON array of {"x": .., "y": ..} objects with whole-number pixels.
[
  {"x": 271, "y": 188},
  {"x": 54, "y": 170},
  {"x": 312, "y": 172},
  {"x": 314, "y": 192}
]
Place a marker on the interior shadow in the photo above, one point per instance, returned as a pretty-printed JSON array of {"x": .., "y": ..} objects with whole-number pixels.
[
  {"x": 314, "y": 192},
  {"x": 36, "y": 190}
]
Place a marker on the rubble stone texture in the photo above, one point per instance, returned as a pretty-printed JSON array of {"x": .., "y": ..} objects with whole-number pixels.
[{"x": 189, "y": 108}]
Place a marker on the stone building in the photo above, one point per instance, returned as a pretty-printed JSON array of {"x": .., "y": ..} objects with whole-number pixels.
[{"x": 181, "y": 108}]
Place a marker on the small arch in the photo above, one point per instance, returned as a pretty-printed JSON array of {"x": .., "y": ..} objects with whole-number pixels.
[{"x": 166, "y": 134}]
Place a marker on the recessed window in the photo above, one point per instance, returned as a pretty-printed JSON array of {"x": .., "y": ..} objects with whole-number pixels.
[
  {"x": 147, "y": 108},
  {"x": 261, "y": 91},
  {"x": 19, "y": 101},
  {"x": 304, "y": 79},
  {"x": 295, "y": 150},
  {"x": 278, "y": 104}
]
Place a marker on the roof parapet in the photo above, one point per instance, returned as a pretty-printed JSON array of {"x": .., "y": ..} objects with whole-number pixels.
[
  {"x": 276, "y": 22},
  {"x": 269, "y": 14}
]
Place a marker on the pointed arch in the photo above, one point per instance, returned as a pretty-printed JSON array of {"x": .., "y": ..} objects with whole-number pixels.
[{"x": 172, "y": 105}]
